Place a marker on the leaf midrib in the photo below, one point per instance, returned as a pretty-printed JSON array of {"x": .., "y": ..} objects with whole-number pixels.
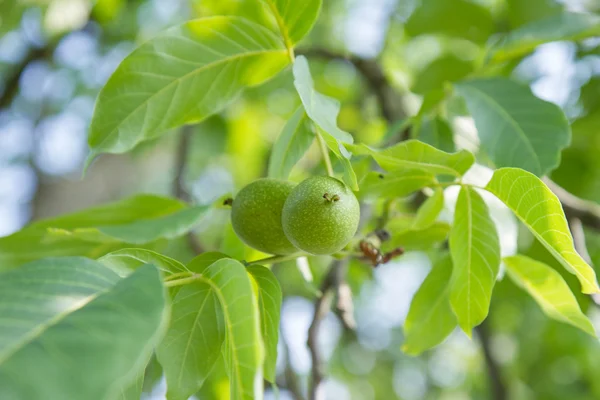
[
  {"x": 490, "y": 100},
  {"x": 179, "y": 80},
  {"x": 287, "y": 41}
]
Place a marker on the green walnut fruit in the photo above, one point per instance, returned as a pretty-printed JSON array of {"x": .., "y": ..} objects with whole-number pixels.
[
  {"x": 256, "y": 215},
  {"x": 320, "y": 216}
]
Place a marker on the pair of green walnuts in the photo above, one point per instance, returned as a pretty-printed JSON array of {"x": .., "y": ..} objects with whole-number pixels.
[{"x": 318, "y": 216}]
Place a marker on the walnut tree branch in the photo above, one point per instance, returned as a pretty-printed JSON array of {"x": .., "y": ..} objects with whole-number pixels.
[
  {"x": 179, "y": 189},
  {"x": 329, "y": 288},
  {"x": 498, "y": 388}
]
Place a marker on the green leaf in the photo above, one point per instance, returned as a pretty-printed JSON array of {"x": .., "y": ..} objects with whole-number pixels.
[
  {"x": 541, "y": 212},
  {"x": 294, "y": 18},
  {"x": 323, "y": 111},
  {"x": 244, "y": 351},
  {"x": 269, "y": 302},
  {"x": 565, "y": 26},
  {"x": 413, "y": 154},
  {"x": 183, "y": 75},
  {"x": 516, "y": 128},
  {"x": 549, "y": 290},
  {"x": 449, "y": 68},
  {"x": 475, "y": 250},
  {"x": 429, "y": 210},
  {"x": 35, "y": 241},
  {"x": 293, "y": 142},
  {"x": 73, "y": 317},
  {"x": 397, "y": 183},
  {"x": 404, "y": 235},
  {"x": 430, "y": 319},
  {"x": 437, "y": 133},
  {"x": 193, "y": 342},
  {"x": 458, "y": 18},
  {"x": 125, "y": 261}
]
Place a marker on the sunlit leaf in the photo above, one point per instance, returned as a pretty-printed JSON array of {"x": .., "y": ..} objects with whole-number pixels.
[
  {"x": 564, "y": 26},
  {"x": 475, "y": 250},
  {"x": 294, "y": 18},
  {"x": 397, "y": 183},
  {"x": 196, "y": 333},
  {"x": 73, "y": 317},
  {"x": 430, "y": 319},
  {"x": 429, "y": 210},
  {"x": 125, "y": 261},
  {"x": 459, "y": 18},
  {"x": 516, "y": 128},
  {"x": 541, "y": 212},
  {"x": 413, "y": 154},
  {"x": 269, "y": 303},
  {"x": 293, "y": 142},
  {"x": 244, "y": 350},
  {"x": 182, "y": 75},
  {"x": 549, "y": 290},
  {"x": 323, "y": 111},
  {"x": 35, "y": 241}
]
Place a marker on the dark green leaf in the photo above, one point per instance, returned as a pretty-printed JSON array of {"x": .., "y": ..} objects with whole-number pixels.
[
  {"x": 475, "y": 250},
  {"x": 269, "y": 303},
  {"x": 293, "y": 142},
  {"x": 516, "y": 128},
  {"x": 541, "y": 212},
  {"x": 430, "y": 319},
  {"x": 183, "y": 75},
  {"x": 73, "y": 317},
  {"x": 459, "y": 18},
  {"x": 445, "y": 69},
  {"x": 438, "y": 133}
]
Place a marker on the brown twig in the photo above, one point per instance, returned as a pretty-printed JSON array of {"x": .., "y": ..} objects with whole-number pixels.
[
  {"x": 329, "y": 288},
  {"x": 179, "y": 189},
  {"x": 498, "y": 388}
]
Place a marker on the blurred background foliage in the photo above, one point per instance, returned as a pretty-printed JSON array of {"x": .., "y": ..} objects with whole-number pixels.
[{"x": 55, "y": 55}]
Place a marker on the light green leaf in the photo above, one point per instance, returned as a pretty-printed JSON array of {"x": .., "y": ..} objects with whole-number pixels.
[
  {"x": 475, "y": 250},
  {"x": 430, "y": 319},
  {"x": 134, "y": 390},
  {"x": 183, "y": 75},
  {"x": 458, "y": 18},
  {"x": 193, "y": 342},
  {"x": 70, "y": 317},
  {"x": 564, "y": 26},
  {"x": 323, "y": 111},
  {"x": 549, "y": 290},
  {"x": 516, "y": 128},
  {"x": 429, "y": 210},
  {"x": 244, "y": 351},
  {"x": 125, "y": 261},
  {"x": 397, "y": 183},
  {"x": 269, "y": 302},
  {"x": 293, "y": 142},
  {"x": 34, "y": 241},
  {"x": 413, "y": 154},
  {"x": 437, "y": 133},
  {"x": 294, "y": 18},
  {"x": 541, "y": 212}
]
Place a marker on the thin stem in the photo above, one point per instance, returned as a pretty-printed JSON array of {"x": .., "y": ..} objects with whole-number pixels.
[
  {"x": 177, "y": 275},
  {"x": 276, "y": 259},
  {"x": 325, "y": 153},
  {"x": 184, "y": 281}
]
